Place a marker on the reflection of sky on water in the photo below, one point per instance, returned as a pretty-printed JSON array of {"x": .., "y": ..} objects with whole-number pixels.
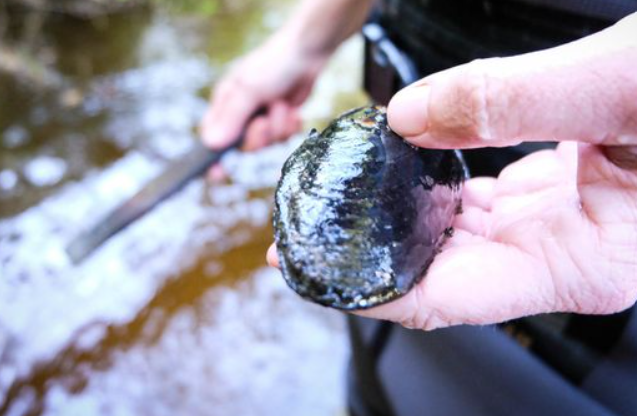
[
  {"x": 176, "y": 315},
  {"x": 166, "y": 111}
]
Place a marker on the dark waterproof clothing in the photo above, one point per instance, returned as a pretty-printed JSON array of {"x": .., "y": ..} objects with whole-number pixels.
[{"x": 558, "y": 364}]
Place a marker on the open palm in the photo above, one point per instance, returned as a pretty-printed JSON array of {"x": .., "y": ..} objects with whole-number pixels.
[{"x": 531, "y": 241}]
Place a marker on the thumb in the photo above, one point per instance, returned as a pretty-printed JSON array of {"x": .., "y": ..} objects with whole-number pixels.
[{"x": 584, "y": 91}]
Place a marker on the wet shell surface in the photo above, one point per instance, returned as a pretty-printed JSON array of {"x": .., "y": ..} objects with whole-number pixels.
[{"x": 360, "y": 213}]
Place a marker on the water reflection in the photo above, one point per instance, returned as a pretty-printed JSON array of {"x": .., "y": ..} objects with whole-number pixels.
[{"x": 177, "y": 315}]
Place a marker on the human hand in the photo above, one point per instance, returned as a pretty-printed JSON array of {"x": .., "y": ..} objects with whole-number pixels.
[
  {"x": 278, "y": 76},
  {"x": 557, "y": 230}
]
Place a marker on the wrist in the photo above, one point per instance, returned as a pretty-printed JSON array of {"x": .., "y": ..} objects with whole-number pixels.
[{"x": 304, "y": 43}]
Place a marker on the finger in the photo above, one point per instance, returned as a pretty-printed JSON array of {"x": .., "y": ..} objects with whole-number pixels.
[
  {"x": 216, "y": 174},
  {"x": 477, "y": 196},
  {"x": 471, "y": 282},
  {"x": 296, "y": 123},
  {"x": 608, "y": 191},
  {"x": 272, "y": 257},
  {"x": 583, "y": 91},
  {"x": 280, "y": 115},
  {"x": 300, "y": 94},
  {"x": 257, "y": 134},
  {"x": 608, "y": 200},
  {"x": 478, "y": 192},
  {"x": 293, "y": 122},
  {"x": 474, "y": 220},
  {"x": 230, "y": 110},
  {"x": 523, "y": 177}
]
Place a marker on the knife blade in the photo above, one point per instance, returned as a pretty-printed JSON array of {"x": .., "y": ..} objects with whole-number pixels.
[{"x": 174, "y": 177}]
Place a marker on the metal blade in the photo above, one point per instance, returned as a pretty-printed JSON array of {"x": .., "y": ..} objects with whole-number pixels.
[{"x": 173, "y": 178}]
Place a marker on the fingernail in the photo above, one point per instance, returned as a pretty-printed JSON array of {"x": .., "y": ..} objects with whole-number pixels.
[{"x": 407, "y": 112}]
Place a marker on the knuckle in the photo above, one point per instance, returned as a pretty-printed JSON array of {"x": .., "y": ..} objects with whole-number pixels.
[
  {"x": 477, "y": 90},
  {"x": 466, "y": 102}
]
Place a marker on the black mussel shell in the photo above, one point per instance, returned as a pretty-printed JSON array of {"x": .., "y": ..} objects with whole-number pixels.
[{"x": 360, "y": 213}]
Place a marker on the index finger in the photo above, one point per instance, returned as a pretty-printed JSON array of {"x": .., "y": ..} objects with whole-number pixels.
[
  {"x": 582, "y": 91},
  {"x": 228, "y": 114}
]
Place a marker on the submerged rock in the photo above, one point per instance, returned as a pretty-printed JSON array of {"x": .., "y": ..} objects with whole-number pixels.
[{"x": 360, "y": 213}]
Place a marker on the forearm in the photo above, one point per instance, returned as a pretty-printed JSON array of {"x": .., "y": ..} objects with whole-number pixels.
[{"x": 320, "y": 26}]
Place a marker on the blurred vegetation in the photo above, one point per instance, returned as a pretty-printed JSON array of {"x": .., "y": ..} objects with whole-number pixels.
[
  {"x": 95, "y": 8},
  {"x": 197, "y": 7},
  {"x": 25, "y": 54},
  {"x": 77, "y": 8}
]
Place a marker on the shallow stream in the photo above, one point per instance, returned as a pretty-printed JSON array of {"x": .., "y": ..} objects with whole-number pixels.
[{"x": 178, "y": 314}]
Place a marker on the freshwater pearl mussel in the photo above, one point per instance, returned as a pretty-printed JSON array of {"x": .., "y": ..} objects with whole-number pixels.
[{"x": 360, "y": 213}]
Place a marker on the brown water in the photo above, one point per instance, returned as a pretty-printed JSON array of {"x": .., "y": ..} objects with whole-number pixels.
[{"x": 178, "y": 314}]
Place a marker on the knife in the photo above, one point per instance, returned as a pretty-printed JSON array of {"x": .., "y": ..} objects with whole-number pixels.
[{"x": 174, "y": 177}]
